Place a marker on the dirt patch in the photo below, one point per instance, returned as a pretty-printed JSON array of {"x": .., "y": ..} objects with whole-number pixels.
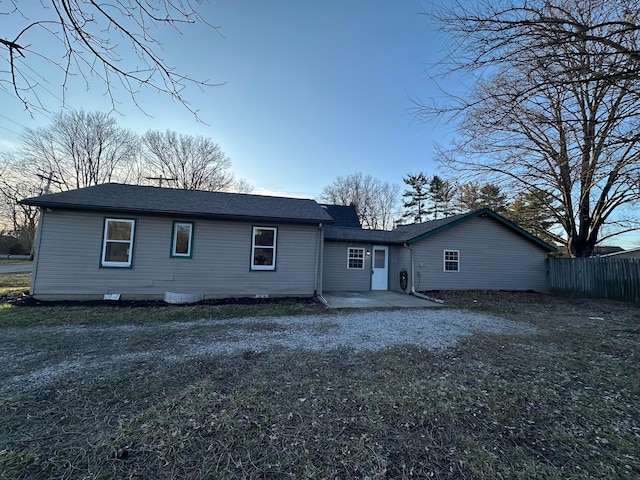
[
  {"x": 35, "y": 357},
  {"x": 22, "y": 299}
]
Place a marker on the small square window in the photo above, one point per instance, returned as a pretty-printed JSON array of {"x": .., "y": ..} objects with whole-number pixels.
[
  {"x": 451, "y": 260},
  {"x": 182, "y": 239},
  {"x": 355, "y": 258}
]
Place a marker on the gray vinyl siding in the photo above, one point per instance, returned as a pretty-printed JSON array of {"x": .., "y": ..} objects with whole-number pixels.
[
  {"x": 336, "y": 276},
  {"x": 400, "y": 259},
  {"x": 68, "y": 263},
  {"x": 492, "y": 257}
]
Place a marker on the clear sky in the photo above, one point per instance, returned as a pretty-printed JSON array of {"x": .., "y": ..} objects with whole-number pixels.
[{"x": 312, "y": 90}]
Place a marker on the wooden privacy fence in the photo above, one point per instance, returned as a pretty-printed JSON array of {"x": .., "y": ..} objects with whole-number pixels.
[{"x": 612, "y": 278}]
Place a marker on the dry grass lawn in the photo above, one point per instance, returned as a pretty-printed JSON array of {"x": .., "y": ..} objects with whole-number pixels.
[{"x": 561, "y": 403}]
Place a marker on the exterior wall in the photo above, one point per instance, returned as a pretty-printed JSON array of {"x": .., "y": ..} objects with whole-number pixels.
[
  {"x": 68, "y": 261},
  {"x": 401, "y": 261},
  {"x": 336, "y": 276},
  {"x": 492, "y": 257}
]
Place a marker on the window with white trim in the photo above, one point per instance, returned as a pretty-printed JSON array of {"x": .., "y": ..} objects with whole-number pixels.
[
  {"x": 263, "y": 248},
  {"x": 355, "y": 258},
  {"x": 451, "y": 260},
  {"x": 117, "y": 242},
  {"x": 182, "y": 239}
]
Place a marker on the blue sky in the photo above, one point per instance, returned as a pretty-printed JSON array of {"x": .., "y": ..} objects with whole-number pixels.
[{"x": 312, "y": 90}]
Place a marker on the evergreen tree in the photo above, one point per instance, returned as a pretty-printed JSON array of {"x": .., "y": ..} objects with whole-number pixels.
[
  {"x": 533, "y": 212},
  {"x": 415, "y": 198},
  {"x": 492, "y": 197},
  {"x": 472, "y": 196},
  {"x": 440, "y": 196},
  {"x": 468, "y": 197}
]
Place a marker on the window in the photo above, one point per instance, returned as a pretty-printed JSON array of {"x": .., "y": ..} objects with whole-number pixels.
[
  {"x": 263, "y": 248},
  {"x": 451, "y": 260},
  {"x": 117, "y": 243},
  {"x": 181, "y": 239},
  {"x": 355, "y": 258}
]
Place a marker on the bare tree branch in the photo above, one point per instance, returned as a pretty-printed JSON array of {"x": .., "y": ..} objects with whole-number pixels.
[
  {"x": 85, "y": 42},
  {"x": 189, "y": 162},
  {"x": 80, "y": 149},
  {"x": 375, "y": 201},
  {"x": 556, "y": 109}
]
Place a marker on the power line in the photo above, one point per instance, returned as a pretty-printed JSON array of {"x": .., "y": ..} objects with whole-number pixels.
[{"x": 9, "y": 130}]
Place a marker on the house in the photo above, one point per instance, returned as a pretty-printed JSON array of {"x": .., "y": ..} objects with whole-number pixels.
[
  {"x": 598, "y": 251},
  {"x": 144, "y": 242},
  {"x": 480, "y": 250},
  {"x": 631, "y": 253}
]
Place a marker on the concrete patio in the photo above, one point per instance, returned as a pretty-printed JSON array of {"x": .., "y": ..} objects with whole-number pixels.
[{"x": 374, "y": 299}]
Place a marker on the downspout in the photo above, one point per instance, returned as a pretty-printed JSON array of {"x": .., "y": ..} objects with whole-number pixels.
[
  {"x": 413, "y": 288},
  {"x": 411, "y": 268},
  {"x": 36, "y": 251},
  {"x": 317, "y": 284}
]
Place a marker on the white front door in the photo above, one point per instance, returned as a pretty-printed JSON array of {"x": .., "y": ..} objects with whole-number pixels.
[{"x": 380, "y": 268}]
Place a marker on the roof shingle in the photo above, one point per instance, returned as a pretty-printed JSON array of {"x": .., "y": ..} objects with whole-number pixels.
[
  {"x": 116, "y": 197},
  {"x": 418, "y": 231}
]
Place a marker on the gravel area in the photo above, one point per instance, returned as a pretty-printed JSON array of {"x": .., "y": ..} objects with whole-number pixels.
[{"x": 38, "y": 356}]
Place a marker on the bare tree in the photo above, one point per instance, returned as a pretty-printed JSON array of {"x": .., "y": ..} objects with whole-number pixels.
[
  {"x": 80, "y": 149},
  {"x": 375, "y": 201},
  {"x": 189, "y": 162},
  {"x": 387, "y": 200},
  {"x": 557, "y": 111},
  {"x": 20, "y": 221},
  {"x": 115, "y": 41},
  {"x": 242, "y": 186}
]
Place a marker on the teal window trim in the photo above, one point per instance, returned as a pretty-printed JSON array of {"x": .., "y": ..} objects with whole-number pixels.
[
  {"x": 103, "y": 252},
  {"x": 174, "y": 239},
  {"x": 259, "y": 267}
]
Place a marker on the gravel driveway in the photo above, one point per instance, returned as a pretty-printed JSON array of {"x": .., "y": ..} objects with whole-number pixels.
[{"x": 35, "y": 357}]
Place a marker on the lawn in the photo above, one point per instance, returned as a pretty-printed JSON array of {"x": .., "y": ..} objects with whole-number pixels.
[
  {"x": 560, "y": 403},
  {"x": 12, "y": 283},
  {"x": 12, "y": 261}
]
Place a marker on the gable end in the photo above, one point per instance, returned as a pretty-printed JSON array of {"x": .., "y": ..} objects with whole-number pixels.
[{"x": 484, "y": 212}]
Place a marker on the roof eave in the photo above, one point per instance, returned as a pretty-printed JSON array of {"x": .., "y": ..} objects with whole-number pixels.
[{"x": 165, "y": 213}]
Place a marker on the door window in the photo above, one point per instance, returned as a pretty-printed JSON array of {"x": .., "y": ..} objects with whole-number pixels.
[{"x": 379, "y": 259}]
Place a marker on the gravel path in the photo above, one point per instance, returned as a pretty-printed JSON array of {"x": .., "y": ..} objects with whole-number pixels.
[{"x": 37, "y": 356}]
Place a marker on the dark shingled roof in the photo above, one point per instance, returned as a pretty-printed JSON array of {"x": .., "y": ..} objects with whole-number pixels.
[
  {"x": 343, "y": 215},
  {"x": 419, "y": 231},
  {"x": 408, "y": 232},
  {"x": 135, "y": 199},
  {"x": 346, "y": 234}
]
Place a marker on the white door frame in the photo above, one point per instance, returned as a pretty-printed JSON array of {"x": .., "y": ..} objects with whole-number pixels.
[{"x": 379, "y": 274}]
